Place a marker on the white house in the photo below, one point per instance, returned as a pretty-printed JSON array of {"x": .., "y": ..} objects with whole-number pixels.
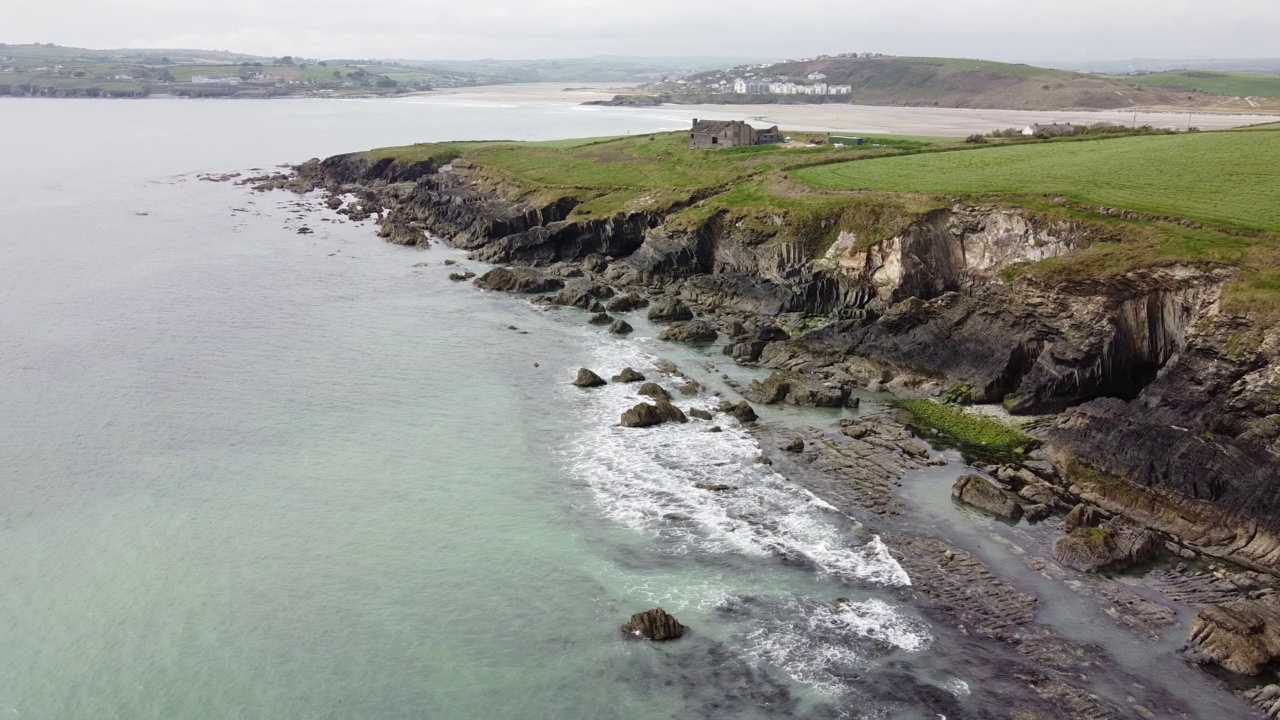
[
  {"x": 839, "y": 89},
  {"x": 817, "y": 76}
]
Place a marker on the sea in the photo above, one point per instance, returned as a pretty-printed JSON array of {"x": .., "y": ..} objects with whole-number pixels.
[{"x": 253, "y": 473}]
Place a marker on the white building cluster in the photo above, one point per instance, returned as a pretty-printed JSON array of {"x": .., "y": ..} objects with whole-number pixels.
[
  {"x": 762, "y": 87},
  {"x": 207, "y": 80}
]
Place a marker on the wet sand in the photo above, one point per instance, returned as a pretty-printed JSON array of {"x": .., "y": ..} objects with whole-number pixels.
[{"x": 948, "y": 122}]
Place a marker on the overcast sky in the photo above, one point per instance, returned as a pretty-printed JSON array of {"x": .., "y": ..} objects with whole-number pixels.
[{"x": 1012, "y": 30}]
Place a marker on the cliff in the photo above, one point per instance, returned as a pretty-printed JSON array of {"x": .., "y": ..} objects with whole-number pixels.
[{"x": 1164, "y": 403}]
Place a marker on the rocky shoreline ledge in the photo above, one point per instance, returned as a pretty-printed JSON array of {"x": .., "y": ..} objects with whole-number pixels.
[{"x": 1159, "y": 437}]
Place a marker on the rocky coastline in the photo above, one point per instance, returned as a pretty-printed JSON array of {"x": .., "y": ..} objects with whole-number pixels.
[{"x": 1158, "y": 415}]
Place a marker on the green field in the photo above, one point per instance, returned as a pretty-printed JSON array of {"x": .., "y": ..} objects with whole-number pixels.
[
  {"x": 1213, "y": 83},
  {"x": 1228, "y": 181},
  {"x": 638, "y": 172},
  {"x": 1227, "y": 178}
]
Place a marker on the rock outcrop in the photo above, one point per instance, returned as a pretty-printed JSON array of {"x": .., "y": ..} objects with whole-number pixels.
[
  {"x": 1241, "y": 636},
  {"x": 669, "y": 310},
  {"x": 1111, "y": 545},
  {"x": 689, "y": 331},
  {"x": 981, "y": 493},
  {"x": 518, "y": 280},
  {"x": 655, "y": 625},
  {"x": 655, "y": 391},
  {"x": 628, "y": 375},
  {"x": 588, "y": 379},
  {"x": 797, "y": 389},
  {"x": 646, "y": 415}
]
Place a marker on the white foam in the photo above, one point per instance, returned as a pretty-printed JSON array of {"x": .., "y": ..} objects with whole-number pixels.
[
  {"x": 819, "y": 645},
  {"x": 646, "y": 479}
]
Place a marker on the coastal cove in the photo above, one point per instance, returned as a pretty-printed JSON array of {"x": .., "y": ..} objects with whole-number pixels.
[{"x": 259, "y": 472}]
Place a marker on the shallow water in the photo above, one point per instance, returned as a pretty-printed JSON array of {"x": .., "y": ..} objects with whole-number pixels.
[{"x": 251, "y": 473}]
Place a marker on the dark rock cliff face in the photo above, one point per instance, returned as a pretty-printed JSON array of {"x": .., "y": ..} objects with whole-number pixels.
[{"x": 1156, "y": 388}]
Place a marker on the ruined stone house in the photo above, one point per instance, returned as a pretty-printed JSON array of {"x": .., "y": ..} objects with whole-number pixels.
[{"x": 714, "y": 134}]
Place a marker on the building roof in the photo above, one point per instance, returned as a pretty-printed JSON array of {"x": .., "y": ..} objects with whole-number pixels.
[{"x": 714, "y": 126}]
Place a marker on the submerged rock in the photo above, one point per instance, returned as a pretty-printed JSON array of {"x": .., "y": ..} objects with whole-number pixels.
[
  {"x": 700, "y": 414},
  {"x": 601, "y": 319},
  {"x": 462, "y": 276},
  {"x": 669, "y": 310},
  {"x": 620, "y": 327},
  {"x": 518, "y": 280},
  {"x": 588, "y": 379},
  {"x": 795, "y": 446},
  {"x": 1112, "y": 545},
  {"x": 628, "y": 375},
  {"x": 981, "y": 493},
  {"x": 655, "y": 624},
  {"x": 691, "y": 331},
  {"x": 713, "y": 487}
]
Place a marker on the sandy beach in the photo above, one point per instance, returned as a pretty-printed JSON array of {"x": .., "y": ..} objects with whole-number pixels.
[{"x": 951, "y": 122}]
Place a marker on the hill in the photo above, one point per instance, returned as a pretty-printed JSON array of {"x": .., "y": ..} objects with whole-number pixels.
[
  {"x": 55, "y": 71},
  {"x": 1243, "y": 86},
  {"x": 943, "y": 82}
]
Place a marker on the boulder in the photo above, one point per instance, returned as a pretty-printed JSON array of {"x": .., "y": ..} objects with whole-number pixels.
[
  {"x": 656, "y": 391},
  {"x": 646, "y": 415},
  {"x": 714, "y": 429},
  {"x": 595, "y": 262},
  {"x": 669, "y": 310},
  {"x": 744, "y": 413},
  {"x": 583, "y": 294},
  {"x": 628, "y": 375},
  {"x": 601, "y": 319},
  {"x": 1039, "y": 493},
  {"x": 981, "y": 493},
  {"x": 689, "y": 331},
  {"x": 655, "y": 625},
  {"x": 1112, "y": 545},
  {"x": 627, "y": 303},
  {"x": 797, "y": 389},
  {"x": 1036, "y": 513},
  {"x": 588, "y": 379},
  {"x": 518, "y": 280},
  {"x": 620, "y": 327},
  {"x": 1242, "y": 636},
  {"x": 565, "y": 270},
  {"x": 462, "y": 276},
  {"x": 747, "y": 346},
  {"x": 700, "y": 414},
  {"x": 795, "y": 446},
  {"x": 1083, "y": 516}
]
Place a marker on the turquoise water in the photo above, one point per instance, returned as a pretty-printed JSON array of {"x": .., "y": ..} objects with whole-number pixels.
[{"x": 255, "y": 474}]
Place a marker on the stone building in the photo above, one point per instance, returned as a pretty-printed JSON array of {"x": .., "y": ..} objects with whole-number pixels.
[{"x": 715, "y": 134}]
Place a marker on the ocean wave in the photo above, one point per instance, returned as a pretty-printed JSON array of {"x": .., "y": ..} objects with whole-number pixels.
[
  {"x": 646, "y": 479},
  {"x": 828, "y": 646}
]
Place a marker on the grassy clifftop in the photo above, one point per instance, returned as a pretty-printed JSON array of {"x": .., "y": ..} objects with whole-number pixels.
[{"x": 1199, "y": 198}]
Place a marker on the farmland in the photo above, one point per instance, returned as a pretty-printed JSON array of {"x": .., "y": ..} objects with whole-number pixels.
[
  {"x": 1256, "y": 85},
  {"x": 1228, "y": 178}
]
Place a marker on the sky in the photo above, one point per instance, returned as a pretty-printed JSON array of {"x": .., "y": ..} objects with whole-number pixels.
[{"x": 1008, "y": 30}]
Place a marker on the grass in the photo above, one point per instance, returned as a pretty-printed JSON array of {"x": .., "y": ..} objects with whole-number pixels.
[
  {"x": 978, "y": 437},
  {"x": 1228, "y": 178},
  {"x": 608, "y": 175},
  {"x": 1228, "y": 181},
  {"x": 1213, "y": 83}
]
